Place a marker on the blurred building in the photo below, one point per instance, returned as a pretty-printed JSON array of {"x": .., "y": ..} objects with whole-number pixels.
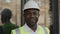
[
  {"x": 16, "y": 7},
  {"x": 59, "y": 14}
]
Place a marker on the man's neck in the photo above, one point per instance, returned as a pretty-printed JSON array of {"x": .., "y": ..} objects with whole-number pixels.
[{"x": 34, "y": 28}]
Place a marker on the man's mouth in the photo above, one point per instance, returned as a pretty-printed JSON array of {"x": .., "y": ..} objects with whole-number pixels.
[{"x": 33, "y": 20}]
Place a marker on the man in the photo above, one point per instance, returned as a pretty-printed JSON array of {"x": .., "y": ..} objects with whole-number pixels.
[
  {"x": 0, "y": 30},
  {"x": 31, "y": 14},
  {"x": 7, "y": 25}
]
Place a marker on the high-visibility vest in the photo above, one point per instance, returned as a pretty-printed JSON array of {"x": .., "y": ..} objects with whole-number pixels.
[{"x": 21, "y": 30}]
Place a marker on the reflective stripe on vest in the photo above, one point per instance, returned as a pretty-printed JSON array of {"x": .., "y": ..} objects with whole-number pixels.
[
  {"x": 41, "y": 30},
  {"x": 18, "y": 31}
]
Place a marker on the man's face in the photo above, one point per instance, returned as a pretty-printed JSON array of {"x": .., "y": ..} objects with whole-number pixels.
[{"x": 31, "y": 16}]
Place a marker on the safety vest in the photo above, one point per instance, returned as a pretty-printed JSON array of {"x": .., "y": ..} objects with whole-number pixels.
[{"x": 21, "y": 30}]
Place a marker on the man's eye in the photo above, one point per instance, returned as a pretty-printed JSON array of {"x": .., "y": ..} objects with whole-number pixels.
[
  {"x": 35, "y": 12},
  {"x": 28, "y": 13}
]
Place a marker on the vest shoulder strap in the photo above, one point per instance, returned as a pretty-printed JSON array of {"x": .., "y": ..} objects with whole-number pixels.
[
  {"x": 18, "y": 31},
  {"x": 22, "y": 30}
]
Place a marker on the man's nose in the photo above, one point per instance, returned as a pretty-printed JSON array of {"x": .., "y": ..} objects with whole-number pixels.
[{"x": 32, "y": 15}]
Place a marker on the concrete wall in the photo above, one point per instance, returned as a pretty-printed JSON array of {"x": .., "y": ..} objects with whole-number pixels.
[{"x": 44, "y": 18}]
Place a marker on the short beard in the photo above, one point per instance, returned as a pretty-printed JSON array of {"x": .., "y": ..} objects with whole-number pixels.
[{"x": 30, "y": 23}]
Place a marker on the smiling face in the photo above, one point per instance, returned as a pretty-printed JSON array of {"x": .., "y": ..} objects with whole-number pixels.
[{"x": 31, "y": 16}]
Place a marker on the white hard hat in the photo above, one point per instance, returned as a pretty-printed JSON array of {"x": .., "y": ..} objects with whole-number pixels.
[{"x": 31, "y": 4}]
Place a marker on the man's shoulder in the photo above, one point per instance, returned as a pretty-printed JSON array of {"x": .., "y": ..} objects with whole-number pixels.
[
  {"x": 43, "y": 27},
  {"x": 16, "y": 28}
]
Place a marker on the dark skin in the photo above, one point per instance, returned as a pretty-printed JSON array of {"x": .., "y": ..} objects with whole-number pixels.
[{"x": 31, "y": 18}]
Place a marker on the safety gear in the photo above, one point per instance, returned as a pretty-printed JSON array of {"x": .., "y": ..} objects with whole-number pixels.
[
  {"x": 21, "y": 30},
  {"x": 31, "y": 4}
]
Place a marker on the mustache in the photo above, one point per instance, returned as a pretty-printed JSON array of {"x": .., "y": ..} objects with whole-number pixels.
[{"x": 33, "y": 18}]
